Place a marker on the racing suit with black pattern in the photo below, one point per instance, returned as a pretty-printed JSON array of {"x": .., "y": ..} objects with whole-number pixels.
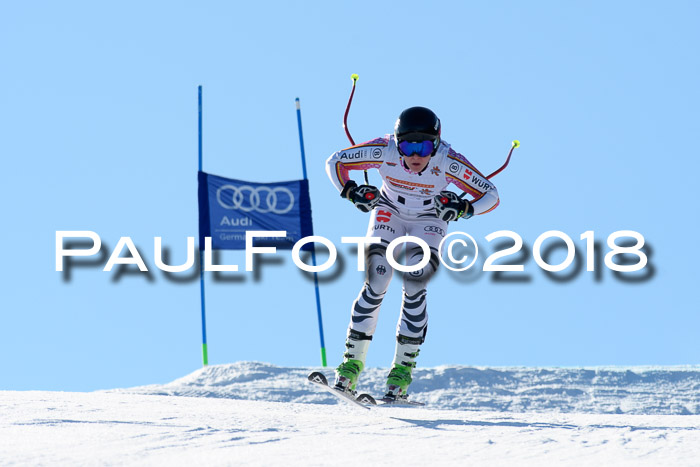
[{"x": 405, "y": 208}]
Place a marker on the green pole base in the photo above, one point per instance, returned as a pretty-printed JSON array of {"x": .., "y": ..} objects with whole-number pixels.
[
  {"x": 323, "y": 356},
  {"x": 205, "y": 355}
]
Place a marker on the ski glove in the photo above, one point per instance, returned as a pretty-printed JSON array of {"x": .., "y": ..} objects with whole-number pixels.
[
  {"x": 450, "y": 207},
  {"x": 364, "y": 197}
]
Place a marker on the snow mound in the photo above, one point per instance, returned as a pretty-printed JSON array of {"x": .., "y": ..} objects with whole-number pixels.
[{"x": 628, "y": 390}]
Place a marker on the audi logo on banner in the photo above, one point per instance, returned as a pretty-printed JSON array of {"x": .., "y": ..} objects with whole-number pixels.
[{"x": 259, "y": 199}]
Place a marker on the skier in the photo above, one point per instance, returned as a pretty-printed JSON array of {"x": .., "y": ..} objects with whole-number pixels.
[{"x": 416, "y": 166}]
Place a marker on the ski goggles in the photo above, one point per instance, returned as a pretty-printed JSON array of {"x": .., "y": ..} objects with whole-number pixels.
[{"x": 422, "y": 148}]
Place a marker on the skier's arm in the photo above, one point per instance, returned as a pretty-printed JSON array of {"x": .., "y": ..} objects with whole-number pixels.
[
  {"x": 368, "y": 155},
  {"x": 467, "y": 178}
]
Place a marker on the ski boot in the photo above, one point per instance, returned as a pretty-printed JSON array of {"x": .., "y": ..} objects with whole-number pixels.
[
  {"x": 407, "y": 349},
  {"x": 347, "y": 373}
]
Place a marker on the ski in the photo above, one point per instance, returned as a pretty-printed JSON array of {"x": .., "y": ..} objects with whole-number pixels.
[
  {"x": 363, "y": 400},
  {"x": 366, "y": 399},
  {"x": 387, "y": 401}
]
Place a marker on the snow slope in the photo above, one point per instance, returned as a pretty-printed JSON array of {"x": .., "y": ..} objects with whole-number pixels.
[
  {"x": 633, "y": 390},
  {"x": 227, "y": 415}
]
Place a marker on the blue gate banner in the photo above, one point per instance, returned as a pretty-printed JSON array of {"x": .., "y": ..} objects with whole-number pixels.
[{"x": 228, "y": 208}]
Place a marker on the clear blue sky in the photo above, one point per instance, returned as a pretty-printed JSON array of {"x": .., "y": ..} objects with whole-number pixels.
[{"x": 98, "y": 132}]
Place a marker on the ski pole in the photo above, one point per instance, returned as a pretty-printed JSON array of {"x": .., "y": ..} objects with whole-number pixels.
[
  {"x": 354, "y": 78},
  {"x": 514, "y": 145}
]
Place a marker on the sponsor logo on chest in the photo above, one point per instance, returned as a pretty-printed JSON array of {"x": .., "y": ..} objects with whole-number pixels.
[
  {"x": 406, "y": 185},
  {"x": 362, "y": 153}
]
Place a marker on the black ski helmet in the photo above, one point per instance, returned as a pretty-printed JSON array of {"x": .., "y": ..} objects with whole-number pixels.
[{"x": 417, "y": 124}]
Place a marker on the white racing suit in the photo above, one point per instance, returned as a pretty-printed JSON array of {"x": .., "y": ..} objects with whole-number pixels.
[{"x": 405, "y": 208}]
